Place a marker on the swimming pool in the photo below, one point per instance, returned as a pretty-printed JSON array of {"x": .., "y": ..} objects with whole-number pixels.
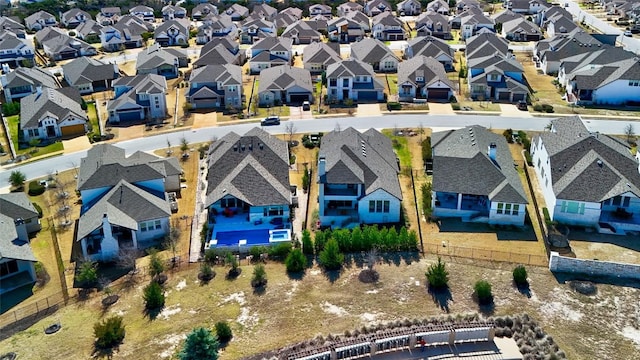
[{"x": 258, "y": 237}]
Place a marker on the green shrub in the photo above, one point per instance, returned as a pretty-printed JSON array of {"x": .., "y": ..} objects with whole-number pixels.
[
  {"x": 394, "y": 106},
  {"x": 425, "y": 189},
  {"x": 455, "y": 106},
  {"x": 292, "y": 159},
  {"x": 426, "y": 149},
  {"x": 109, "y": 332},
  {"x": 306, "y": 181},
  {"x": 211, "y": 255},
  {"x": 257, "y": 251},
  {"x": 520, "y": 275},
  {"x": 437, "y": 275},
  {"x": 200, "y": 344},
  {"x": 307, "y": 244},
  {"x": 331, "y": 257},
  {"x": 223, "y": 331},
  {"x": 528, "y": 158},
  {"x": 508, "y": 135},
  {"x": 259, "y": 276},
  {"x": 280, "y": 251},
  {"x": 153, "y": 296},
  {"x": 483, "y": 291},
  {"x": 295, "y": 261},
  {"x": 12, "y": 108},
  {"x": 547, "y": 108},
  {"x": 38, "y": 209},
  {"x": 156, "y": 264},
  {"x": 537, "y": 107},
  {"x": 87, "y": 274},
  {"x": 547, "y": 218},
  {"x": 35, "y": 188}
]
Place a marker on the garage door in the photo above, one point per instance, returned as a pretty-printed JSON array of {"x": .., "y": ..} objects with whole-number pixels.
[
  {"x": 206, "y": 104},
  {"x": 72, "y": 130},
  {"x": 440, "y": 94},
  {"x": 504, "y": 96},
  {"x": 368, "y": 96},
  {"x": 299, "y": 98},
  {"x": 129, "y": 116},
  {"x": 519, "y": 97}
]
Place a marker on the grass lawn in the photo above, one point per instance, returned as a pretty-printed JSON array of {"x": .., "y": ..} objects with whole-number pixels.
[
  {"x": 93, "y": 117},
  {"x": 401, "y": 147},
  {"x": 392, "y": 81},
  {"x": 14, "y": 122}
]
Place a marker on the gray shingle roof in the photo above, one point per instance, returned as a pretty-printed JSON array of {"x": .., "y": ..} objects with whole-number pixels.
[
  {"x": 86, "y": 70},
  {"x": 506, "y": 15},
  {"x": 349, "y": 67},
  {"x": 361, "y": 158},
  {"x": 253, "y": 168},
  {"x": 521, "y": 25},
  {"x": 139, "y": 84},
  {"x": 282, "y": 78},
  {"x": 226, "y": 74},
  {"x": 430, "y": 46},
  {"x": 486, "y": 44},
  {"x": 273, "y": 44},
  {"x": 74, "y": 13},
  {"x": 89, "y": 27},
  {"x": 52, "y": 102},
  {"x": 588, "y": 167},
  {"x": 125, "y": 205},
  {"x": 217, "y": 55},
  {"x": 30, "y": 76},
  {"x": 17, "y": 205},
  {"x": 301, "y": 29},
  {"x": 154, "y": 56},
  {"x": 10, "y": 246},
  {"x": 370, "y": 50},
  {"x": 428, "y": 67},
  {"x": 320, "y": 53},
  {"x": 461, "y": 164}
]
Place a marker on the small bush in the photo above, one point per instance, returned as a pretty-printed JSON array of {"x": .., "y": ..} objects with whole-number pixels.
[
  {"x": 257, "y": 251},
  {"x": 212, "y": 255},
  {"x": 508, "y": 135},
  {"x": 331, "y": 257},
  {"x": 455, "y": 106},
  {"x": 109, "y": 332},
  {"x": 295, "y": 261},
  {"x": 87, "y": 275},
  {"x": 259, "y": 276},
  {"x": 223, "y": 331},
  {"x": 206, "y": 272},
  {"x": 153, "y": 296},
  {"x": 38, "y": 209},
  {"x": 547, "y": 108},
  {"x": 437, "y": 275},
  {"x": 394, "y": 106},
  {"x": 483, "y": 291},
  {"x": 35, "y": 188},
  {"x": 547, "y": 218},
  {"x": 156, "y": 265},
  {"x": 537, "y": 108},
  {"x": 292, "y": 159},
  {"x": 520, "y": 275},
  {"x": 280, "y": 251},
  {"x": 307, "y": 244}
]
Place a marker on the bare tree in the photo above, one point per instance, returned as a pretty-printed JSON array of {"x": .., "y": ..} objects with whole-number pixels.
[
  {"x": 290, "y": 129},
  {"x": 421, "y": 131},
  {"x": 184, "y": 147},
  {"x": 337, "y": 127},
  {"x": 630, "y": 132},
  {"x": 372, "y": 258},
  {"x": 172, "y": 238},
  {"x": 127, "y": 260},
  {"x": 169, "y": 151}
]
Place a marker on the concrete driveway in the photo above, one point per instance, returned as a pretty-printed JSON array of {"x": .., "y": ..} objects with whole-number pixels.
[
  {"x": 296, "y": 113},
  {"x": 76, "y": 144},
  {"x": 368, "y": 110},
  {"x": 512, "y": 110},
  {"x": 440, "y": 109}
]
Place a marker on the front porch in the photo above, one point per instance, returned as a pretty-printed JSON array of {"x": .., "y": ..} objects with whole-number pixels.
[{"x": 466, "y": 206}]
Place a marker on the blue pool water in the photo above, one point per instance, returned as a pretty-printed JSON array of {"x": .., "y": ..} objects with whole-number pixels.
[
  {"x": 280, "y": 235},
  {"x": 253, "y": 237}
]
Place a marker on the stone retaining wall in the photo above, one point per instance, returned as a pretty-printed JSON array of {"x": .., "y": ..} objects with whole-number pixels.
[{"x": 559, "y": 263}]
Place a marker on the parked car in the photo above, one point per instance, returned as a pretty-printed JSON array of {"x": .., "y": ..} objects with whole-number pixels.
[
  {"x": 270, "y": 120},
  {"x": 306, "y": 106},
  {"x": 522, "y": 105},
  {"x": 628, "y": 33}
]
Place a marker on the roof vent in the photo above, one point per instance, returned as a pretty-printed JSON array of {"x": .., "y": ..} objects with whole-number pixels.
[
  {"x": 250, "y": 147},
  {"x": 235, "y": 147},
  {"x": 260, "y": 146},
  {"x": 242, "y": 147},
  {"x": 600, "y": 164}
]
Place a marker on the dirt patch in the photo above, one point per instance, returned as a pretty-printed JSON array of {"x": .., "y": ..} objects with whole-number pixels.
[
  {"x": 169, "y": 311},
  {"x": 201, "y": 120}
]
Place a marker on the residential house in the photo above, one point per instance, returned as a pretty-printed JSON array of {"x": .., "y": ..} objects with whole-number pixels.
[
  {"x": 521, "y": 30},
  {"x": 173, "y": 12},
  {"x": 615, "y": 83},
  {"x": 360, "y": 18},
  {"x": 409, "y": 8},
  {"x": 357, "y": 179},
  {"x": 269, "y": 52},
  {"x": 25, "y": 81},
  {"x": 433, "y": 24},
  {"x": 215, "y": 26},
  {"x": 375, "y": 7},
  {"x": 376, "y": 54},
  {"x": 472, "y": 21},
  {"x": 318, "y": 56},
  {"x": 15, "y": 51},
  {"x": 504, "y": 16},
  {"x": 125, "y": 34},
  {"x": 464, "y": 5},
  {"x": 89, "y": 31},
  {"x": 57, "y": 45},
  {"x": 301, "y": 33},
  {"x": 552, "y": 51},
  {"x": 474, "y": 178},
  {"x": 284, "y": 85},
  {"x": 527, "y": 6},
  {"x": 560, "y": 23},
  {"x": 549, "y": 13},
  {"x": 108, "y": 15},
  {"x": 136, "y": 98},
  {"x": 248, "y": 189},
  {"x": 203, "y": 10},
  {"x": 237, "y": 12},
  {"x": 433, "y": 47},
  {"x": 51, "y": 114},
  {"x": 344, "y": 30},
  {"x": 423, "y": 77},
  {"x": 319, "y": 23},
  {"x": 173, "y": 32},
  {"x": 320, "y": 9},
  {"x": 124, "y": 201},
  {"x": 18, "y": 218},
  {"x": 143, "y": 12},
  {"x": 355, "y": 80},
  {"x": 485, "y": 45},
  {"x": 159, "y": 61},
  {"x": 88, "y": 75},
  {"x": 216, "y": 86},
  {"x": 387, "y": 27},
  {"x": 345, "y": 8},
  {"x": 293, "y": 11},
  {"x": 220, "y": 51},
  {"x": 254, "y": 30},
  {"x": 587, "y": 179},
  {"x": 40, "y": 20},
  {"x": 11, "y": 25},
  {"x": 74, "y": 17},
  {"x": 264, "y": 11},
  {"x": 439, "y": 6},
  {"x": 496, "y": 77},
  {"x": 283, "y": 20},
  {"x": 595, "y": 59}
]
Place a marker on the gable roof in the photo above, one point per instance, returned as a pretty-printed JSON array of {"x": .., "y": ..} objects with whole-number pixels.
[
  {"x": 139, "y": 84},
  {"x": 253, "y": 168},
  {"x": 273, "y": 44},
  {"x": 180, "y": 24},
  {"x": 588, "y": 167},
  {"x": 520, "y": 25},
  {"x": 217, "y": 55},
  {"x": 30, "y": 76},
  {"x": 226, "y": 74},
  {"x": 320, "y": 53},
  {"x": 350, "y": 67},
  {"x": 461, "y": 164},
  {"x": 10, "y": 246},
  {"x": 360, "y": 158},
  {"x": 86, "y": 70},
  {"x": 89, "y": 27},
  {"x": 371, "y": 50},
  {"x": 386, "y": 18},
  {"x": 486, "y": 44},
  {"x": 430, "y": 46},
  {"x": 16, "y": 206},
  {"x": 281, "y": 78},
  {"x": 427, "y": 67},
  {"x": 301, "y": 29},
  {"x": 154, "y": 56},
  {"x": 56, "y": 103},
  {"x": 72, "y": 14}
]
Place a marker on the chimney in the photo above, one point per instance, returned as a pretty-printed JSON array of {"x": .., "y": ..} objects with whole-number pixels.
[
  {"x": 492, "y": 151},
  {"x": 322, "y": 162}
]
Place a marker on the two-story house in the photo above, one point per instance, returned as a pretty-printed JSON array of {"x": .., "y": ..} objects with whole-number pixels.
[
  {"x": 387, "y": 27},
  {"x": 527, "y": 7},
  {"x": 355, "y": 80},
  {"x": 472, "y": 21},
  {"x": 203, "y": 10},
  {"x": 284, "y": 85},
  {"x": 57, "y": 45},
  {"x": 409, "y": 8},
  {"x": 434, "y": 47},
  {"x": 124, "y": 201},
  {"x": 496, "y": 77},
  {"x": 375, "y": 53},
  {"x": 269, "y": 52},
  {"x": 138, "y": 98},
  {"x": 357, "y": 179},
  {"x": 237, "y": 12},
  {"x": 172, "y": 32},
  {"x": 521, "y": 30},
  {"x": 439, "y": 6},
  {"x": 423, "y": 78},
  {"x": 264, "y": 11},
  {"x": 125, "y": 34},
  {"x": 347, "y": 7},
  {"x": 301, "y": 33},
  {"x": 216, "y": 26},
  {"x": 375, "y": 7},
  {"x": 550, "y": 53},
  {"x": 216, "y": 86},
  {"x": 74, "y": 17},
  {"x": 615, "y": 83},
  {"x": 25, "y": 81},
  {"x": 15, "y": 51},
  {"x": 320, "y": 9},
  {"x": 318, "y": 56},
  {"x": 248, "y": 195},
  {"x": 143, "y": 12},
  {"x": 172, "y": 12},
  {"x": 11, "y": 25},
  {"x": 433, "y": 24},
  {"x": 254, "y": 30},
  {"x": 51, "y": 114},
  {"x": 108, "y": 15},
  {"x": 474, "y": 178},
  {"x": 587, "y": 179},
  {"x": 89, "y": 31},
  {"x": 40, "y": 20},
  {"x": 88, "y": 75},
  {"x": 345, "y": 30},
  {"x": 219, "y": 51}
]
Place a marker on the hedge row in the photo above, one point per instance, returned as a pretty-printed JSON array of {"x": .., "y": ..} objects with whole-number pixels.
[{"x": 367, "y": 238}]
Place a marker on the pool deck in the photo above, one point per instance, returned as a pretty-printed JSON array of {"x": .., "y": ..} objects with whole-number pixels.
[{"x": 239, "y": 223}]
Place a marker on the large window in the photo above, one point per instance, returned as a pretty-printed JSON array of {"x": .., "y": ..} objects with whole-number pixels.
[
  {"x": 379, "y": 206},
  {"x": 150, "y": 225},
  {"x": 508, "y": 209},
  {"x": 273, "y": 211},
  {"x": 572, "y": 207},
  {"x": 8, "y": 267}
]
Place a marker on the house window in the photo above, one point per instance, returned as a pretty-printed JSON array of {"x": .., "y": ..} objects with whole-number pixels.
[
  {"x": 625, "y": 202},
  {"x": 419, "y": 78},
  {"x": 345, "y": 82},
  {"x": 500, "y": 208},
  {"x": 516, "y": 209},
  {"x": 158, "y": 225},
  {"x": 379, "y": 206},
  {"x": 572, "y": 207},
  {"x": 274, "y": 211},
  {"x": 8, "y": 267},
  {"x": 386, "y": 206},
  {"x": 617, "y": 200},
  {"x": 143, "y": 227},
  {"x": 333, "y": 82},
  {"x": 508, "y": 209}
]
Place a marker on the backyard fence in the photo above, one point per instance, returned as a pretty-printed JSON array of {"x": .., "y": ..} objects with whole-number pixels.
[{"x": 486, "y": 254}]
